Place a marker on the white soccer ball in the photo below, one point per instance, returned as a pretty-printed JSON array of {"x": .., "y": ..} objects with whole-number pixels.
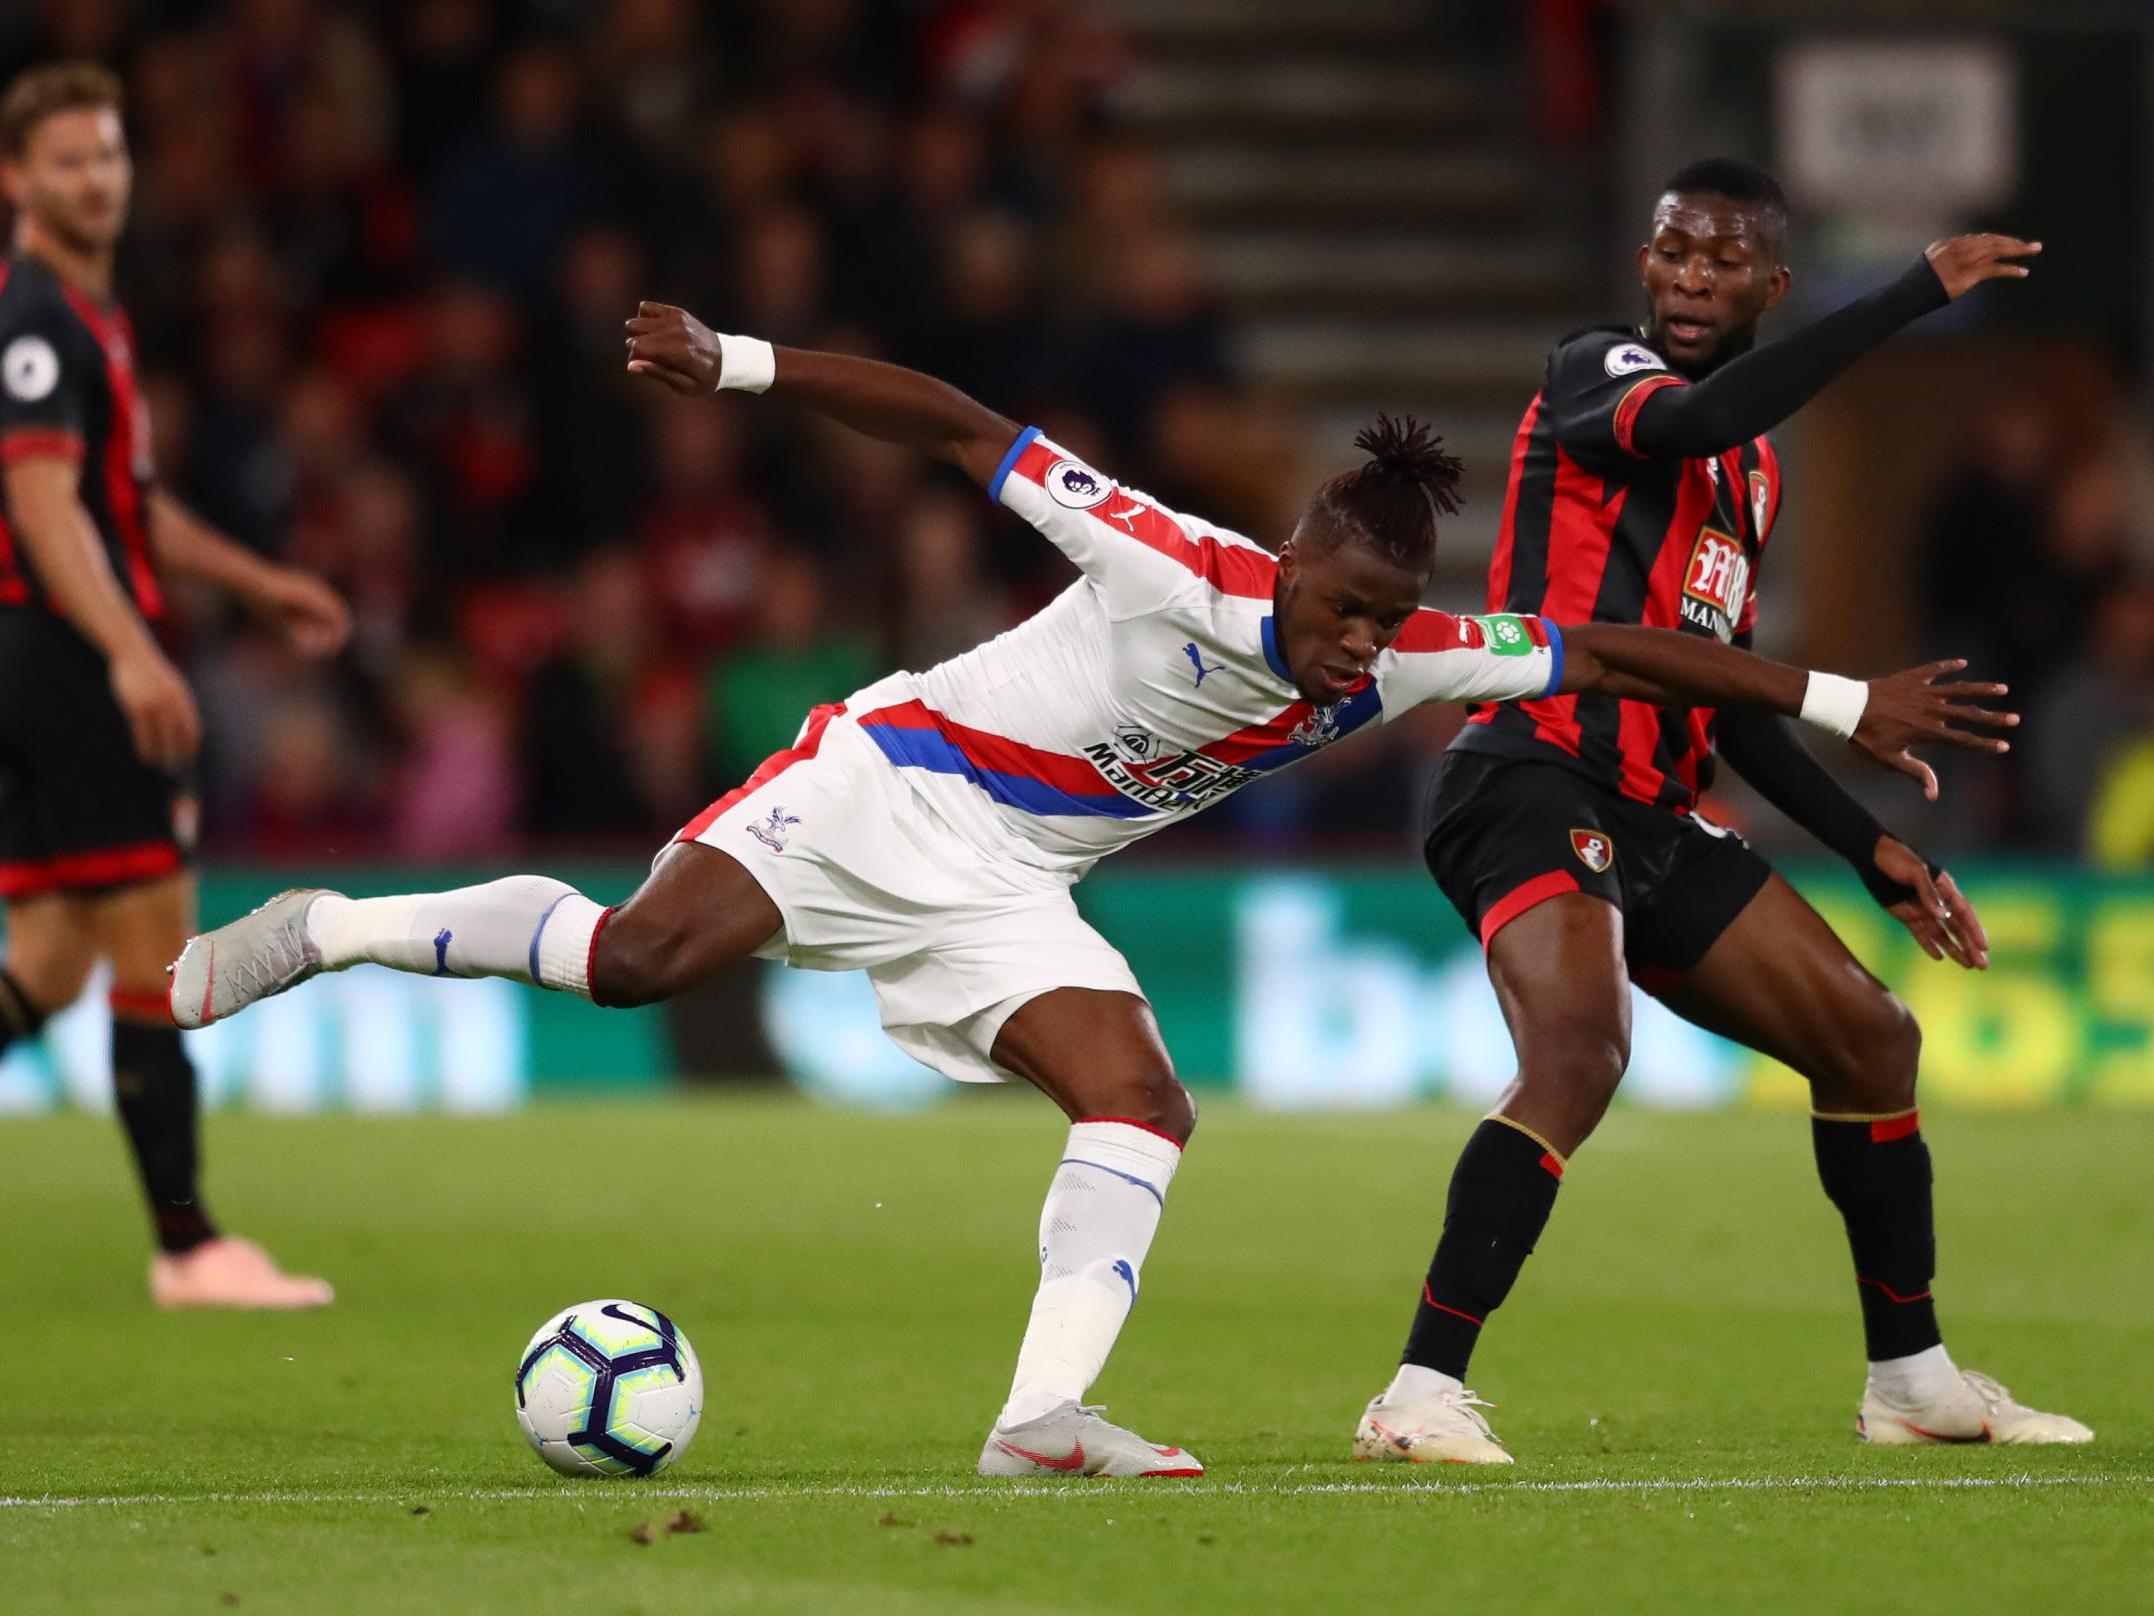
[{"x": 609, "y": 1388}]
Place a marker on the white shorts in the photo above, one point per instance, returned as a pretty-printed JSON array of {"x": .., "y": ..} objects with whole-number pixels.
[{"x": 867, "y": 877}]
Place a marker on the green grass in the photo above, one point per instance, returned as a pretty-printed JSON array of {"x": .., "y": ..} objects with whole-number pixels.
[{"x": 1677, "y": 1372}]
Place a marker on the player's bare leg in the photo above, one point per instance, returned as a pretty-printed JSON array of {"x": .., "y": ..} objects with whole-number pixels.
[
  {"x": 1098, "y": 1055},
  {"x": 140, "y": 928},
  {"x": 1559, "y": 975},
  {"x": 49, "y": 955},
  {"x": 1780, "y": 981}
]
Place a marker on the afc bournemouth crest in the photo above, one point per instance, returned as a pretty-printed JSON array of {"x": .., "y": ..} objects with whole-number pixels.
[{"x": 1594, "y": 850}]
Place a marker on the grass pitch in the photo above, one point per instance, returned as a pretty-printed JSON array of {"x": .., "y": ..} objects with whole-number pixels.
[{"x": 1678, "y": 1373}]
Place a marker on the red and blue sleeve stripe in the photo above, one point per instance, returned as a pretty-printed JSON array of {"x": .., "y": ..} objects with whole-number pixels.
[{"x": 1232, "y": 569}]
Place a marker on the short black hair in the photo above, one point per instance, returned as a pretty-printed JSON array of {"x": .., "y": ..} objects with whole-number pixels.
[
  {"x": 1391, "y": 501},
  {"x": 1738, "y": 181}
]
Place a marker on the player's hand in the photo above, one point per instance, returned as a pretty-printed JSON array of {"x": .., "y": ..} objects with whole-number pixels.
[
  {"x": 673, "y": 346},
  {"x": 1965, "y": 262},
  {"x": 312, "y": 616},
  {"x": 1938, "y": 915},
  {"x": 1910, "y": 707},
  {"x": 159, "y": 707}
]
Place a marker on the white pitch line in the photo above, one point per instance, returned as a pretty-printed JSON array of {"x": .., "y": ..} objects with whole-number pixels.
[{"x": 1064, "y": 1490}]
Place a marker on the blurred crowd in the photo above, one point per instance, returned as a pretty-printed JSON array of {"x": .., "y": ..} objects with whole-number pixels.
[
  {"x": 379, "y": 265},
  {"x": 2038, "y": 566}
]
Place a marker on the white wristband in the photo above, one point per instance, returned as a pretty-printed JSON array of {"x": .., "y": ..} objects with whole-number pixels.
[
  {"x": 746, "y": 364},
  {"x": 1833, "y": 703}
]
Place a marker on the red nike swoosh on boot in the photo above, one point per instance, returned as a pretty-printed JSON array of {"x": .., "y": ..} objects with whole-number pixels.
[
  {"x": 1075, "y": 1460},
  {"x": 1939, "y": 1436}
]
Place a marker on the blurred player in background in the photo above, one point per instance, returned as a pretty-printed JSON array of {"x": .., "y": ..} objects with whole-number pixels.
[
  {"x": 1563, "y": 830},
  {"x": 929, "y": 828},
  {"x": 97, "y": 727}
]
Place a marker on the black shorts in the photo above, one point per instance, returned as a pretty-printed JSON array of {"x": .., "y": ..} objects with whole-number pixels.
[
  {"x": 79, "y": 811},
  {"x": 1504, "y": 835}
]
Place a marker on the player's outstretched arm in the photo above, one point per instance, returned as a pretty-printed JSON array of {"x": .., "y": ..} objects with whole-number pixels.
[
  {"x": 883, "y": 401},
  {"x": 1764, "y": 749},
  {"x": 312, "y": 617},
  {"x": 1756, "y": 392},
  {"x": 1883, "y": 719}
]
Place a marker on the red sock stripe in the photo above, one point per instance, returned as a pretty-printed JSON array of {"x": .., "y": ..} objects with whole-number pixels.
[
  {"x": 1890, "y": 1294},
  {"x": 590, "y": 958},
  {"x": 1523, "y": 897},
  {"x": 1132, "y": 1122},
  {"x": 1883, "y": 1133},
  {"x": 1427, "y": 1297},
  {"x": 154, "y": 1007},
  {"x": 1550, "y": 1165}
]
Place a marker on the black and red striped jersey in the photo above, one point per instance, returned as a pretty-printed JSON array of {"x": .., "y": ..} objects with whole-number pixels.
[
  {"x": 1594, "y": 532},
  {"x": 68, "y": 390}
]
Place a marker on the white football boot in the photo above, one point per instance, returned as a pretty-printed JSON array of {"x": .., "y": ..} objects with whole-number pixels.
[
  {"x": 1976, "y": 1409},
  {"x": 1447, "y": 1427},
  {"x": 1071, "y": 1439},
  {"x": 256, "y": 956}
]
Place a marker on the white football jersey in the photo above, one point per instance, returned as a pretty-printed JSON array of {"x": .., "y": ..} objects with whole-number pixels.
[{"x": 1152, "y": 687}]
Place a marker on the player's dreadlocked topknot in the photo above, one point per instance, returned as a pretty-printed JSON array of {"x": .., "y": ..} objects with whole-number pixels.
[{"x": 1391, "y": 502}]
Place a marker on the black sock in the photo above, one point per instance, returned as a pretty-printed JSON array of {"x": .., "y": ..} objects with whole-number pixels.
[
  {"x": 1878, "y": 1174},
  {"x": 1502, "y": 1191},
  {"x": 19, "y": 1018},
  {"x": 153, "y": 1086}
]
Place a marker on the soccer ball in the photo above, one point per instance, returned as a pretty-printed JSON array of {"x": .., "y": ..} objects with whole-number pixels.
[{"x": 609, "y": 1388}]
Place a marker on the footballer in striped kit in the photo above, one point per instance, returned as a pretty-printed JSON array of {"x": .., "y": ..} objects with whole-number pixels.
[{"x": 929, "y": 828}]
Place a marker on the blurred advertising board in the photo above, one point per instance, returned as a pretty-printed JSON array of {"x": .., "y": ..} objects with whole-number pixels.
[{"x": 1319, "y": 987}]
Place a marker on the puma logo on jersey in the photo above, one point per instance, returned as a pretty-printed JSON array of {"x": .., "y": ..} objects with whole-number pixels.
[{"x": 1197, "y": 661}]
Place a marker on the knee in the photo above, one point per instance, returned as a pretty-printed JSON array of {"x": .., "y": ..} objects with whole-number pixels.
[
  {"x": 50, "y": 982},
  {"x": 636, "y": 960},
  {"x": 1875, "y": 1054},
  {"x": 1569, "y": 1074},
  {"x": 1154, "y": 1096}
]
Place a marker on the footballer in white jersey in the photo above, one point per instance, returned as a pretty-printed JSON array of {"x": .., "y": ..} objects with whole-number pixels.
[{"x": 928, "y": 829}]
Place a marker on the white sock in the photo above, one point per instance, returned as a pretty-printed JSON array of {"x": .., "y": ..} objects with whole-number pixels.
[
  {"x": 1095, "y": 1228},
  {"x": 1416, "y": 1381},
  {"x": 528, "y": 928},
  {"x": 1920, "y": 1377}
]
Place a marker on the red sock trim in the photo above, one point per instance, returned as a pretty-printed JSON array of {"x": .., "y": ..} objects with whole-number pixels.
[
  {"x": 1132, "y": 1122},
  {"x": 1890, "y": 1294},
  {"x": 1883, "y": 1133},
  {"x": 590, "y": 958},
  {"x": 151, "y": 1007},
  {"x": 1551, "y": 1164},
  {"x": 1523, "y": 897},
  {"x": 1427, "y": 1297}
]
